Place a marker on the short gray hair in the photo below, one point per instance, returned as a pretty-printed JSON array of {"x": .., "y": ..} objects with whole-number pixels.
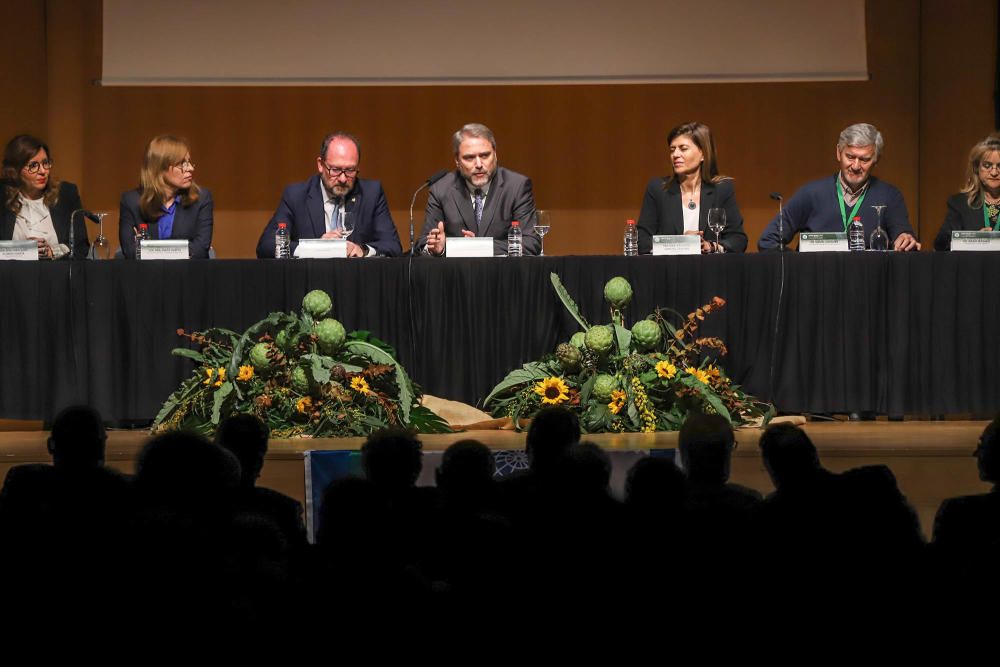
[
  {"x": 472, "y": 130},
  {"x": 861, "y": 134}
]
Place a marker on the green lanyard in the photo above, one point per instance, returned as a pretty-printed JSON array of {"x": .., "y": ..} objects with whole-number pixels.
[
  {"x": 840, "y": 198},
  {"x": 986, "y": 219}
]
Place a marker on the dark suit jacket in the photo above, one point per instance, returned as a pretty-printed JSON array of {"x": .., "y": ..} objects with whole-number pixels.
[
  {"x": 663, "y": 213},
  {"x": 69, "y": 201},
  {"x": 193, "y": 223},
  {"x": 959, "y": 218},
  {"x": 814, "y": 208},
  {"x": 301, "y": 206},
  {"x": 510, "y": 198}
]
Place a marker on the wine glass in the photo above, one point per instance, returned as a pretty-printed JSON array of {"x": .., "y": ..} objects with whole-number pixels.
[
  {"x": 542, "y": 224},
  {"x": 347, "y": 223},
  {"x": 100, "y": 248},
  {"x": 879, "y": 239},
  {"x": 717, "y": 222}
]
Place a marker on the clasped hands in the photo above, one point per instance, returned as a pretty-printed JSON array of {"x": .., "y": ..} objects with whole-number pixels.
[{"x": 353, "y": 249}]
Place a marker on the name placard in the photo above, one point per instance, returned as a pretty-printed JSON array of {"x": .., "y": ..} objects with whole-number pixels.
[
  {"x": 20, "y": 250},
  {"x": 165, "y": 249},
  {"x": 823, "y": 242},
  {"x": 468, "y": 246},
  {"x": 676, "y": 244},
  {"x": 322, "y": 248},
  {"x": 975, "y": 240}
]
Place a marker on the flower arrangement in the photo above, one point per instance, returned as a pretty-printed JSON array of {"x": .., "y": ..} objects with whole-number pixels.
[
  {"x": 302, "y": 374},
  {"x": 647, "y": 378}
]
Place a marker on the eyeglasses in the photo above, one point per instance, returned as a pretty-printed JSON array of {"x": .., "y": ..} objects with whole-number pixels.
[
  {"x": 186, "y": 165},
  {"x": 989, "y": 166},
  {"x": 336, "y": 172},
  {"x": 34, "y": 167}
]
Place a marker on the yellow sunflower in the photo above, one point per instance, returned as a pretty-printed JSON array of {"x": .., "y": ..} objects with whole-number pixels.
[
  {"x": 617, "y": 401},
  {"x": 699, "y": 374},
  {"x": 303, "y": 405},
  {"x": 665, "y": 369},
  {"x": 246, "y": 373},
  {"x": 360, "y": 385},
  {"x": 552, "y": 390},
  {"x": 221, "y": 377},
  {"x": 209, "y": 373}
]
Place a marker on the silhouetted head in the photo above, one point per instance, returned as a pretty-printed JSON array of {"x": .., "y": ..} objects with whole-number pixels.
[
  {"x": 353, "y": 512},
  {"x": 392, "y": 459},
  {"x": 77, "y": 438},
  {"x": 466, "y": 469},
  {"x": 185, "y": 469},
  {"x": 587, "y": 468},
  {"x": 788, "y": 453},
  {"x": 706, "y": 444},
  {"x": 988, "y": 452},
  {"x": 552, "y": 432},
  {"x": 654, "y": 483},
  {"x": 246, "y": 437}
]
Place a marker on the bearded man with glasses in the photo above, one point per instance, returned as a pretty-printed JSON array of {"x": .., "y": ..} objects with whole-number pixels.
[{"x": 318, "y": 207}]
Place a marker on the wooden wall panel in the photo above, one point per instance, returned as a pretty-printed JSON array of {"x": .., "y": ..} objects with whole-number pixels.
[
  {"x": 24, "y": 53},
  {"x": 589, "y": 149}
]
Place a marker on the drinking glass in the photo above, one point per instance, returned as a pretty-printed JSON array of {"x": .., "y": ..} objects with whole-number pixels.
[
  {"x": 543, "y": 223},
  {"x": 101, "y": 248},
  {"x": 347, "y": 223},
  {"x": 879, "y": 239},
  {"x": 717, "y": 222}
]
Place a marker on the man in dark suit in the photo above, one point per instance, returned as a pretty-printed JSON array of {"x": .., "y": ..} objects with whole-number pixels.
[
  {"x": 314, "y": 208},
  {"x": 478, "y": 198}
]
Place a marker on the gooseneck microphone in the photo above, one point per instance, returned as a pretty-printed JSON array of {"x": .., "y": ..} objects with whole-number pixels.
[
  {"x": 437, "y": 176},
  {"x": 776, "y": 196},
  {"x": 90, "y": 215}
]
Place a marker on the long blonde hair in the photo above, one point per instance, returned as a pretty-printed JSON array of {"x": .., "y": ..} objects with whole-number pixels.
[
  {"x": 162, "y": 152},
  {"x": 973, "y": 185}
]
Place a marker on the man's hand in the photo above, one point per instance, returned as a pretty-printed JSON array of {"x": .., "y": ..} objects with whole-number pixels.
[
  {"x": 335, "y": 234},
  {"x": 355, "y": 250},
  {"x": 905, "y": 242}
]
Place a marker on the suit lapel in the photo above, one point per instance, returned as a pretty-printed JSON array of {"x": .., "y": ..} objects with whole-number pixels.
[
  {"x": 674, "y": 208},
  {"x": 707, "y": 202},
  {"x": 314, "y": 207},
  {"x": 464, "y": 205},
  {"x": 7, "y": 225}
]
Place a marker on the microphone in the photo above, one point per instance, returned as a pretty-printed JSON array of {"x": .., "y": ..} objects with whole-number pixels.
[
  {"x": 437, "y": 176},
  {"x": 776, "y": 196}
]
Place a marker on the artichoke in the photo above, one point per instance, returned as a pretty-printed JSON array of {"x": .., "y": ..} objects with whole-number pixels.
[
  {"x": 569, "y": 357},
  {"x": 618, "y": 292},
  {"x": 300, "y": 380},
  {"x": 317, "y": 303},
  {"x": 578, "y": 339},
  {"x": 330, "y": 334},
  {"x": 599, "y": 339},
  {"x": 260, "y": 356},
  {"x": 646, "y": 335},
  {"x": 603, "y": 386}
]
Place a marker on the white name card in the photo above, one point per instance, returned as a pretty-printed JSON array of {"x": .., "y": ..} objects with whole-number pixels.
[
  {"x": 165, "y": 249},
  {"x": 22, "y": 250},
  {"x": 321, "y": 248},
  {"x": 676, "y": 244},
  {"x": 468, "y": 246},
  {"x": 823, "y": 242},
  {"x": 975, "y": 240}
]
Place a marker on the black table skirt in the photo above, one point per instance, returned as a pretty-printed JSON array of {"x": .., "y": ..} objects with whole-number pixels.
[{"x": 895, "y": 333}]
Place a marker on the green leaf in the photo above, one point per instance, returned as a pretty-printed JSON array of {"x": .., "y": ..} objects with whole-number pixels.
[
  {"x": 217, "y": 400},
  {"x": 567, "y": 301},
  {"x": 190, "y": 354},
  {"x": 320, "y": 366},
  {"x": 587, "y": 387},
  {"x": 367, "y": 337},
  {"x": 427, "y": 421},
  {"x": 624, "y": 338},
  {"x": 527, "y": 373},
  {"x": 378, "y": 355}
]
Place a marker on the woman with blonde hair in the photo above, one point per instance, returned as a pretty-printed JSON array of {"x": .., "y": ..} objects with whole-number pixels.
[
  {"x": 679, "y": 203},
  {"x": 977, "y": 206},
  {"x": 36, "y": 206},
  {"x": 167, "y": 200}
]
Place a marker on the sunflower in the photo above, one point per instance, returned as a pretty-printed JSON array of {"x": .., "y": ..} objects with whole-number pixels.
[
  {"x": 360, "y": 385},
  {"x": 221, "y": 377},
  {"x": 209, "y": 373},
  {"x": 665, "y": 369},
  {"x": 246, "y": 372},
  {"x": 552, "y": 390},
  {"x": 699, "y": 374},
  {"x": 617, "y": 401},
  {"x": 303, "y": 405}
]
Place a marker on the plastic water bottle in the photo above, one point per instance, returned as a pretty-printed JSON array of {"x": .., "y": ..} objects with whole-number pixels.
[
  {"x": 631, "y": 239},
  {"x": 856, "y": 235},
  {"x": 514, "y": 238},
  {"x": 282, "y": 246},
  {"x": 143, "y": 235}
]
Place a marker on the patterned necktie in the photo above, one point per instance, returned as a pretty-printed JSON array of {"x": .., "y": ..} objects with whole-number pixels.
[{"x": 479, "y": 207}]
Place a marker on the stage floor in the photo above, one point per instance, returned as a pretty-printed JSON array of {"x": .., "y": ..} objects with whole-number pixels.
[{"x": 931, "y": 460}]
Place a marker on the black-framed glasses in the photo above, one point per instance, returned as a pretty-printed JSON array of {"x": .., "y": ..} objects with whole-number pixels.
[
  {"x": 336, "y": 172},
  {"x": 34, "y": 167}
]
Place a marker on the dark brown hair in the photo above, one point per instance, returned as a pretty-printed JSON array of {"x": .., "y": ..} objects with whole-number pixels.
[{"x": 16, "y": 155}]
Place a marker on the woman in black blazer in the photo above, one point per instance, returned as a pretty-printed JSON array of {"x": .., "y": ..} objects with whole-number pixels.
[
  {"x": 167, "y": 200},
  {"x": 36, "y": 206},
  {"x": 686, "y": 197},
  {"x": 977, "y": 206}
]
